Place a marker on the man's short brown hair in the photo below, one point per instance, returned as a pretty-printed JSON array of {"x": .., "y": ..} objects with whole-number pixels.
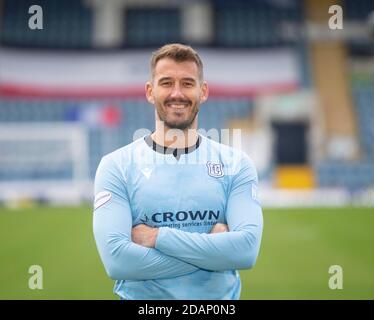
[{"x": 179, "y": 53}]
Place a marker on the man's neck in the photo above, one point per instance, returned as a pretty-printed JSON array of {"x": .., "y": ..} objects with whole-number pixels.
[{"x": 175, "y": 138}]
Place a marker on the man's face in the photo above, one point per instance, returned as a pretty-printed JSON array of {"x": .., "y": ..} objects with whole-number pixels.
[{"x": 176, "y": 92}]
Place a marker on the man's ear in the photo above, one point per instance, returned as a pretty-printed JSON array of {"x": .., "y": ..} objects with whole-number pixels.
[
  {"x": 204, "y": 92},
  {"x": 149, "y": 92}
]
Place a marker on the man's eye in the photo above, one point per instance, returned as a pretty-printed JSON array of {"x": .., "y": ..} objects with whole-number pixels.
[
  {"x": 188, "y": 84},
  {"x": 166, "y": 84}
]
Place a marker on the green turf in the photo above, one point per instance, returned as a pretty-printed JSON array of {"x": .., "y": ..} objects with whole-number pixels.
[{"x": 298, "y": 247}]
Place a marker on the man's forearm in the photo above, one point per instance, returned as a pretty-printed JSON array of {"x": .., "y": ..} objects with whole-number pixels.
[
  {"x": 236, "y": 249},
  {"x": 122, "y": 258},
  {"x": 218, "y": 252},
  {"x": 146, "y": 236}
]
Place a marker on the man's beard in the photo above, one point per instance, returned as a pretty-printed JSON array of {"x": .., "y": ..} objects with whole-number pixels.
[{"x": 175, "y": 124}]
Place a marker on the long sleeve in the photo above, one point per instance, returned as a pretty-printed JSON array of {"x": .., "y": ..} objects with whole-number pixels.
[
  {"x": 236, "y": 249},
  {"x": 112, "y": 224}
]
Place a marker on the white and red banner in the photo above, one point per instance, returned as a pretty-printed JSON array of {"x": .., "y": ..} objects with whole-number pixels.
[{"x": 236, "y": 73}]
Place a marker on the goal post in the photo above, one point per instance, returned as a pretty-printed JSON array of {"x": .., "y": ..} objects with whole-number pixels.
[{"x": 43, "y": 160}]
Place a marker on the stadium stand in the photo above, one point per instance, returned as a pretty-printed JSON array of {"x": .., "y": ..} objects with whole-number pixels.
[
  {"x": 255, "y": 23},
  {"x": 67, "y": 24},
  {"x": 241, "y": 24},
  {"x": 357, "y": 10},
  {"x": 364, "y": 98},
  {"x": 135, "y": 114},
  {"x": 152, "y": 26}
]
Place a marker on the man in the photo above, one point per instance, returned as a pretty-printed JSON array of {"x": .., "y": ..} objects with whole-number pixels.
[{"x": 176, "y": 214}]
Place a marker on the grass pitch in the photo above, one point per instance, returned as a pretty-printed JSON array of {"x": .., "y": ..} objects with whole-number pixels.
[{"x": 298, "y": 247}]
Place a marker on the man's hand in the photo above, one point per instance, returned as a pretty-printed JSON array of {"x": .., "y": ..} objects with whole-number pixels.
[
  {"x": 144, "y": 235},
  {"x": 219, "y": 227}
]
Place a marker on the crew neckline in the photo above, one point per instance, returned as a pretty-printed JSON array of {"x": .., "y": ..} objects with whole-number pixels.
[{"x": 176, "y": 152}]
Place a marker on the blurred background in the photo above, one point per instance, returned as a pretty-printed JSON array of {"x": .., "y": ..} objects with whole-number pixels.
[{"x": 302, "y": 93}]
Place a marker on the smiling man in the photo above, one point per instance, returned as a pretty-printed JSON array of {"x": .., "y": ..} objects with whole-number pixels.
[{"x": 176, "y": 214}]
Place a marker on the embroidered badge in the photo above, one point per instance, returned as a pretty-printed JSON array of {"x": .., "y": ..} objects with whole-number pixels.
[{"x": 215, "y": 169}]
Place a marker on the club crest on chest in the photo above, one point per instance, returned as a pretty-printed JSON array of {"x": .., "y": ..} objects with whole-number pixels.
[{"x": 215, "y": 169}]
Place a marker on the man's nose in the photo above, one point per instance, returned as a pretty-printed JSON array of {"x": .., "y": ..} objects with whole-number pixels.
[{"x": 176, "y": 92}]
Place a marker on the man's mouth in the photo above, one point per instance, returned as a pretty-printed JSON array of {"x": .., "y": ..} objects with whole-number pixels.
[{"x": 177, "y": 105}]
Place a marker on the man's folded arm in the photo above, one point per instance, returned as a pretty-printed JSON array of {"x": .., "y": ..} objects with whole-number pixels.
[
  {"x": 112, "y": 223},
  {"x": 236, "y": 249}
]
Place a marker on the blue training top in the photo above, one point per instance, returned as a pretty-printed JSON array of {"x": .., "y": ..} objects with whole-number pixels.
[{"x": 183, "y": 192}]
